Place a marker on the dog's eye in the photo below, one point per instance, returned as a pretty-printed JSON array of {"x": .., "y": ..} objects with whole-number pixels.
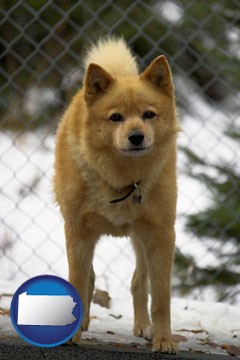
[
  {"x": 149, "y": 115},
  {"x": 116, "y": 117}
]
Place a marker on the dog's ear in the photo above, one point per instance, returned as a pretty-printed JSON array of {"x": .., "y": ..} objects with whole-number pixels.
[
  {"x": 158, "y": 73},
  {"x": 97, "y": 81}
]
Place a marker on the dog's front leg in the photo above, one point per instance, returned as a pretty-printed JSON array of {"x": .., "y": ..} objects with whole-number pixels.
[
  {"x": 80, "y": 248},
  {"x": 139, "y": 289},
  {"x": 159, "y": 250}
]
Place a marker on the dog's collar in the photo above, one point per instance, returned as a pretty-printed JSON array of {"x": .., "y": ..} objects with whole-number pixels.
[{"x": 133, "y": 189}]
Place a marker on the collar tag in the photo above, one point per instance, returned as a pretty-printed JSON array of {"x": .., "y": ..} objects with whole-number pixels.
[
  {"x": 135, "y": 190},
  {"x": 137, "y": 195}
]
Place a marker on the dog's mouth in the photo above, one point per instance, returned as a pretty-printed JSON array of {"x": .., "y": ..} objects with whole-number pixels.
[{"x": 135, "y": 151}]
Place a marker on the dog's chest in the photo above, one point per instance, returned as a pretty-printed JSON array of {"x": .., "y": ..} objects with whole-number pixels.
[{"x": 120, "y": 214}]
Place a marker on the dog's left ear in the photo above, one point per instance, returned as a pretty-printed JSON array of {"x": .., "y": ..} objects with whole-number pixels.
[
  {"x": 158, "y": 73},
  {"x": 97, "y": 81}
]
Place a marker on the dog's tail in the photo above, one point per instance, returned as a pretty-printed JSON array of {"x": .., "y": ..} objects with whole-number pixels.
[{"x": 114, "y": 55}]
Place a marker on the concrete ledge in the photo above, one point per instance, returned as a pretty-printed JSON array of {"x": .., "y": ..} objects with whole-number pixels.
[{"x": 14, "y": 348}]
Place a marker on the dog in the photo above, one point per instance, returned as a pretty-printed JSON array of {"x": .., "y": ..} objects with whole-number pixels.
[{"x": 115, "y": 173}]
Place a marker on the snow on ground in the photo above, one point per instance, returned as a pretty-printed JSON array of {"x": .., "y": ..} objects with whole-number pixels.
[{"x": 197, "y": 326}]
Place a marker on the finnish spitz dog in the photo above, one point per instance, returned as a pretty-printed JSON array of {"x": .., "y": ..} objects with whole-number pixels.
[{"x": 115, "y": 173}]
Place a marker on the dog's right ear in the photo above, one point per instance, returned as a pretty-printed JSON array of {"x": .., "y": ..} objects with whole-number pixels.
[
  {"x": 158, "y": 73},
  {"x": 97, "y": 81}
]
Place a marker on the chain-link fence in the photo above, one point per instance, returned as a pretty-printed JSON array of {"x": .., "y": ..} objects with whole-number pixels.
[{"x": 42, "y": 43}]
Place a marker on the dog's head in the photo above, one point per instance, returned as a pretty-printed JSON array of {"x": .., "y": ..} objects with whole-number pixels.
[{"x": 130, "y": 117}]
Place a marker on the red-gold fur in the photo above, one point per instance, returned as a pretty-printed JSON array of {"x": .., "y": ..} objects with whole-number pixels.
[{"x": 95, "y": 159}]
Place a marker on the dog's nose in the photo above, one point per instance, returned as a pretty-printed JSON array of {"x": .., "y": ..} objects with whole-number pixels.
[{"x": 136, "y": 137}]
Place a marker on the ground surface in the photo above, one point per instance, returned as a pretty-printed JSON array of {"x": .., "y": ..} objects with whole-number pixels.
[
  {"x": 15, "y": 348},
  {"x": 202, "y": 330}
]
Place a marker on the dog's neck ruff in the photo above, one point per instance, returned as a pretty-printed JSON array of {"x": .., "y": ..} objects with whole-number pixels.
[{"x": 133, "y": 189}]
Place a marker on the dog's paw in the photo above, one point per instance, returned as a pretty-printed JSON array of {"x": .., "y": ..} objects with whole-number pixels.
[
  {"x": 76, "y": 339},
  {"x": 166, "y": 346},
  {"x": 144, "y": 331}
]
